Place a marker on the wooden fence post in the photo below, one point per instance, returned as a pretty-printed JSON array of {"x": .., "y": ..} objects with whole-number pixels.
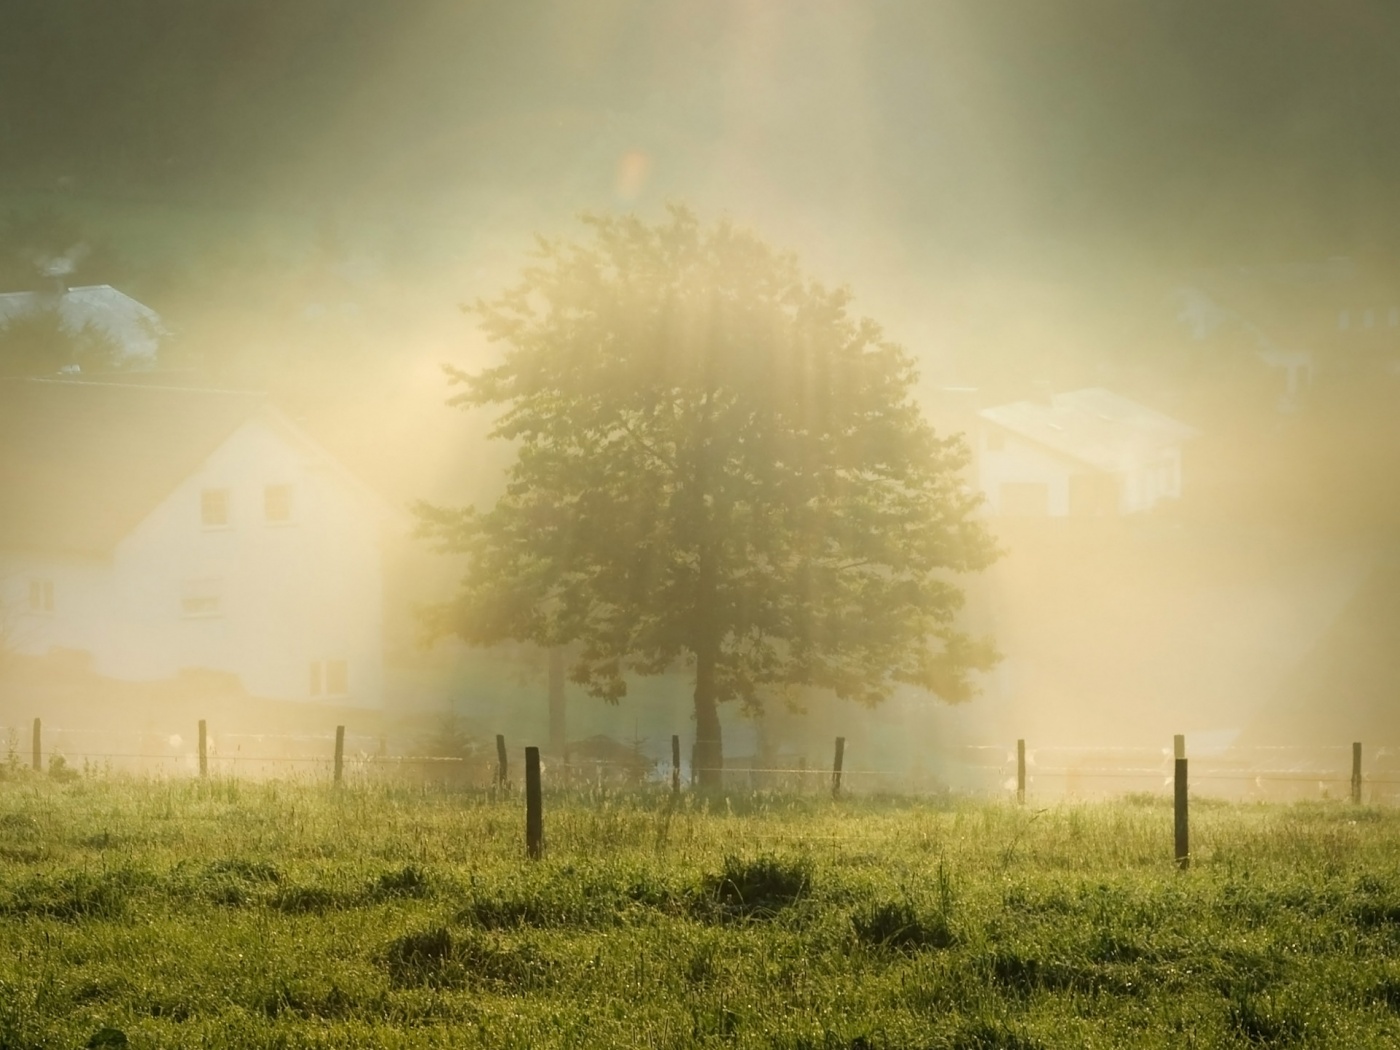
[
  {"x": 203, "y": 748},
  {"x": 38, "y": 753},
  {"x": 534, "y": 805},
  {"x": 836, "y": 767},
  {"x": 675, "y": 764},
  {"x": 1179, "y": 746},
  {"x": 339, "y": 752},
  {"x": 1021, "y": 771},
  {"x": 1356, "y": 772},
  {"x": 1183, "y": 844},
  {"x": 500, "y": 761}
]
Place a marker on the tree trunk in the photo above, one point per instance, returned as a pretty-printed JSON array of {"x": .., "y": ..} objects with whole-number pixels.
[
  {"x": 557, "y": 740},
  {"x": 709, "y": 752}
]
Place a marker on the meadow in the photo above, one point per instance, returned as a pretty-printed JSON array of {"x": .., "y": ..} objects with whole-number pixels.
[{"x": 185, "y": 912}]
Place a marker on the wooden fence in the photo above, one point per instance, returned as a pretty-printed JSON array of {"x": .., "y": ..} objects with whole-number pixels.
[{"x": 1017, "y": 770}]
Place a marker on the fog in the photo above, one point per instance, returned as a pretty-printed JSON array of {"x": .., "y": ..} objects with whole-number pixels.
[{"x": 1189, "y": 206}]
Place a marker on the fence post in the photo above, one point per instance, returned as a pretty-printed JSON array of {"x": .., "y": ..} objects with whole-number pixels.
[
  {"x": 38, "y": 754},
  {"x": 1021, "y": 770},
  {"x": 1179, "y": 746},
  {"x": 675, "y": 764},
  {"x": 1356, "y": 772},
  {"x": 501, "y": 761},
  {"x": 203, "y": 748},
  {"x": 339, "y": 752},
  {"x": 534, "y": 805},
  {"x": 1183, "y": 845},
  {"x": 836, "y": 767}
]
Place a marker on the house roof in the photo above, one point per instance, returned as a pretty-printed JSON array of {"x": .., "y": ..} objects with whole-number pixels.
[
  {"x": 1094, "y": 426},
  {"x": 81, "y": 464},
  {"x": 134, "y": 326}
]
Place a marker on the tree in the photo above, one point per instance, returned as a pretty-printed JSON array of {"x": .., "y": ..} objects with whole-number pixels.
[
  {"x": 38, "y": 343},
  {"x": 717, "y": 464},
  {"x": 41, "y": 249}
]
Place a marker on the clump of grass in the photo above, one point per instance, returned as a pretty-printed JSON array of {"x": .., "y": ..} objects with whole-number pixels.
[
  {"x": 290, "y": 997},
  {"x": 422, "y": 957},
  {"x": 761, "y": 887},
  {"x": 436, "y": 958},
  {"x": 991, "y": 1035},
  {"x": 246, "y": 870},
  {"x": 237, "y": 883},
  {"x": 900, "y": 925},
  {"x": 585, "y": 898},
  {"x": 76, "y": 895},
  {"x": 302, "y": 900},
  {"x": 1263, "y": 1019},
  {"x": 410, "y": 881}
]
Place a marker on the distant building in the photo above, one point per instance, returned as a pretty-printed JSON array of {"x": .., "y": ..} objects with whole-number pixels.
[
  {"x": 1301, "y": 320},
  {"x": 162, "y": 530},
  {"x": 1086, "y": 453},
  {"x": 134, "y": 328}
]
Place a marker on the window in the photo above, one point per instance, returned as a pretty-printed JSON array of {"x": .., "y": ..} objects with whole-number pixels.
[
  {"x": 277, "y": 504},
  {"x": 213, "y": 508},
  {"x": 996, "y": 441},
  {"x": 41, "y": 595},
  {"x": 202, "y": 598},
  {"x": 329, "y": 678},
  {"x": 337, "y": 678}
]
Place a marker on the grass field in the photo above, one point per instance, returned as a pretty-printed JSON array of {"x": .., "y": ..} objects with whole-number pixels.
[{"x": 226, "y": 913}]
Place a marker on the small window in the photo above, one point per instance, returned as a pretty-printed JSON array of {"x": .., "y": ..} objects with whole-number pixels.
[
  {"x": 202, "y": 598},
  {"x": 316, "y": 689},
  {"x": 996, "y": 441},
  {"x": 337, "y": 678},
  {"x": 213, "y": 508},
  {"x": 277, "y": 503},
  {"x": 41, "y": 595}
]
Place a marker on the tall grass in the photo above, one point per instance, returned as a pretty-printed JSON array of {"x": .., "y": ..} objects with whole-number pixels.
[{"x": 179, "y": 913}]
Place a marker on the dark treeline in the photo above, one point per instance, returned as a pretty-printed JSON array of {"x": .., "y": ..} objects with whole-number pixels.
[{"x": 1214, "y": 131}]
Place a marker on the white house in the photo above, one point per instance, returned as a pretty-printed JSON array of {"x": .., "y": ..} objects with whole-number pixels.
[
  {"x": 133, "y": 327},
  {"x": 160, "y": 530},
  {"x": 1084, "y": 453}
]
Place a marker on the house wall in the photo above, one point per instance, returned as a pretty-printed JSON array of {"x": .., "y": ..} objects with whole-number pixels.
[
  {"x": 1021, "y": 462},
  {"x": 1150, "y": 482},
  {"x": 1141, "y": 486},
  {"x": 81, "y": 597},
  {"x": 288, "y": 594}
]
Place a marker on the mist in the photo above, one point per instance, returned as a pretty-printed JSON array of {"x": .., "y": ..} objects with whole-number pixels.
[{"x": 1190, "y": 206}]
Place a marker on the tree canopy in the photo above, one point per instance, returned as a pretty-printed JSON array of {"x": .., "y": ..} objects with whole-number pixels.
[
  {"x": 718, "y": 465},
  {"x": 38, "y": 343}
]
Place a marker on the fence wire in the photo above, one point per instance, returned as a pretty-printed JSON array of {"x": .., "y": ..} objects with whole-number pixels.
[{"x": 1051, "y": 772}]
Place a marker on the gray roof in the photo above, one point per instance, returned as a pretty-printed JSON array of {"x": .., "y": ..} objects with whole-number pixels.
[
  {"x": 81, "y": 464},
  {"x": 1094, "y": 426},
  {"x": 134, "y": 326}
]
